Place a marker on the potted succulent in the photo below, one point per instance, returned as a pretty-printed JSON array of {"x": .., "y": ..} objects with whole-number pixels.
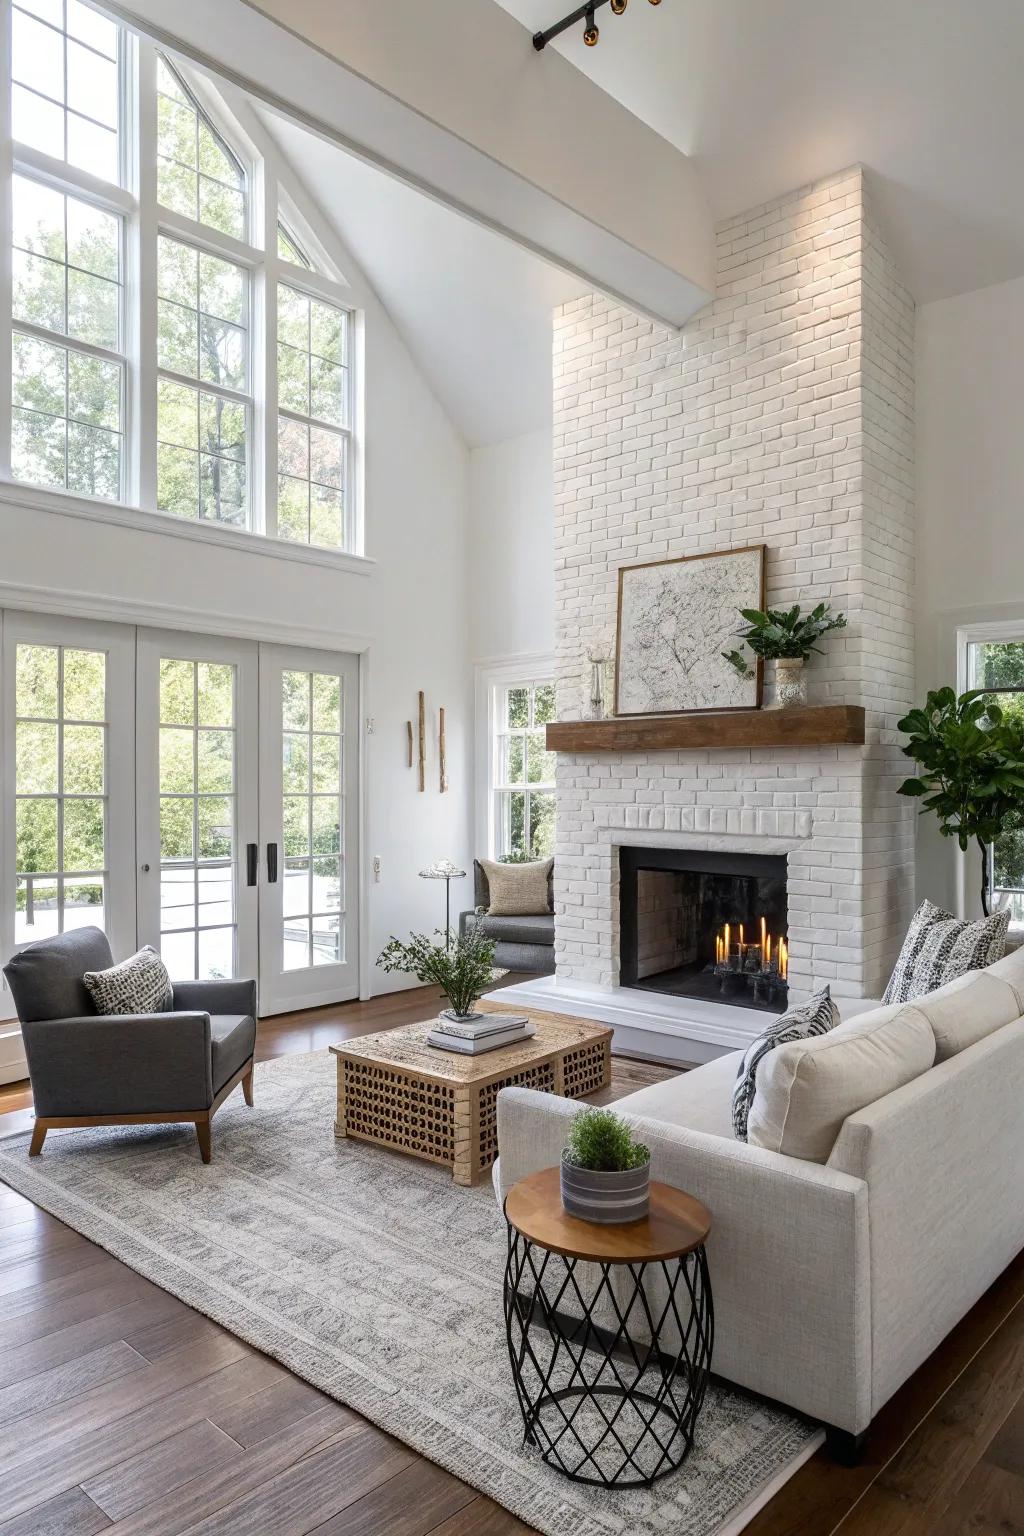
[
  {"x": 605, "y": 1174},
  {"x": 787, "y": 637},
  {"x": 463, "y": 971}
]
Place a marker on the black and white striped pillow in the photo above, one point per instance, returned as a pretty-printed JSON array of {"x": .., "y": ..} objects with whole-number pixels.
[
  {"x": 139, "y": 984},
  {"x": 940, "y": 947},
  {"x": 815, "y": 1017}
]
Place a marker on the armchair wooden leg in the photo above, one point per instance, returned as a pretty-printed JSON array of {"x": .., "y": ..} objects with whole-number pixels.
[
  {"x": 38, "y": 1137},
  {"x": 247, "y": 1087},
  {"x": 205, "y": 1142}
]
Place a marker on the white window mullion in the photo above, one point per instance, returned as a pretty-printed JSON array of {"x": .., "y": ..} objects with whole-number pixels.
[
  {"x": 6, "y": 255},
  {"x": 142, "y": 231},
  {"x": 264, "y": 361}
]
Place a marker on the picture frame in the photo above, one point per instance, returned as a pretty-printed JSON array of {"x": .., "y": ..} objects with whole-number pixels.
[{"x": 674, "y": 619}]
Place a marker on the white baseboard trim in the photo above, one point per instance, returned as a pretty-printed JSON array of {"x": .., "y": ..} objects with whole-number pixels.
[
  {"x": 677, "y": 1030},
  {"x": 13, "y": 1066}
]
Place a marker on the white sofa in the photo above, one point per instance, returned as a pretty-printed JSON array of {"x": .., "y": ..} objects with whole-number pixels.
[{"x": 833, "y": 1281}]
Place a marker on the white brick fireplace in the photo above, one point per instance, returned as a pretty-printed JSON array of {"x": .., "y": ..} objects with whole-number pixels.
[{"x": 782, "y": 415}]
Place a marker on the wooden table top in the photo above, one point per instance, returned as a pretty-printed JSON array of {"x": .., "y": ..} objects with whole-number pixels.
[
  {"x": 677, "y": 1224},
  {"x": 407, "y": 1047}
]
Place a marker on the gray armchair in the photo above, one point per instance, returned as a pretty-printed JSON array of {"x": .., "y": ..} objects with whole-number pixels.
[{"x": 126, "y": 1069}]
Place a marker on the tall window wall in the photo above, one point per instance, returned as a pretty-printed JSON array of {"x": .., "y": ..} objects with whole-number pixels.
[{"x": 176, "y": 341}]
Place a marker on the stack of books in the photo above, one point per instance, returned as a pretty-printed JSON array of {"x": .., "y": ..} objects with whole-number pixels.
[{"x": 487, "y": 1032}]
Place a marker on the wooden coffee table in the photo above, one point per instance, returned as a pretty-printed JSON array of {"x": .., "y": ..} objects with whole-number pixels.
[{"x": 397, "y": 1091}]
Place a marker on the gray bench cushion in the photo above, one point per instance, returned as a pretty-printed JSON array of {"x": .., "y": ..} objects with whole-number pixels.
[
  {"x": 520, "y": 930},
  {"x": 232, "y": 1041}
]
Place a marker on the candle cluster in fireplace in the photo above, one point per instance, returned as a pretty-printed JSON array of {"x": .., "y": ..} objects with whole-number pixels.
[{"x": 765, "y": 952}]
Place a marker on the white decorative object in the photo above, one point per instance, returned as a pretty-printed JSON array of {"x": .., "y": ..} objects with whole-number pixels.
[
  {"x": 790, "y": 681},
  {"x": 675, "y": 619}
]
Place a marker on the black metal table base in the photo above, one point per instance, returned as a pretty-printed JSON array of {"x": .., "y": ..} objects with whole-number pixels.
[{"x": 601, "y": 1406}]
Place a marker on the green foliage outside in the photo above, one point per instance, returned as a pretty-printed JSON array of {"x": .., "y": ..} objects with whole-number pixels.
[
  {"x": 463, "y": 972},
  {"x": 529, "y": 814},
  {"x": 600, "y": 1140},
  {"x": 971, "y": 755},
  {"x": 779, "y": 634}
]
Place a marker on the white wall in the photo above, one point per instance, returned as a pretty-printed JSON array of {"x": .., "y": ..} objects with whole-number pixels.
[
  {"x": 411, "y": 610},
  {"x": 970, "y": 496},
  {"x": 512, "y": 547}
]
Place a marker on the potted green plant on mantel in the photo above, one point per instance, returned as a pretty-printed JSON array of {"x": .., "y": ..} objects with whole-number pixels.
[
  {"x": 788, "y": 637},
  {"x": 463, "y": 971},
  {"x": 971, "y": 757},
  {"x": 605, "y": 1174}
]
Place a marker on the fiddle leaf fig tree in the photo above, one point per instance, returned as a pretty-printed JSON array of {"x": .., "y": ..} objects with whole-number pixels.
[{"x": 971, "y": 761}]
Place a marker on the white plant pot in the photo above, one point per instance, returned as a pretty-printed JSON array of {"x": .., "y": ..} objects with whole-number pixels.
[{"x": 790, "y": 682}]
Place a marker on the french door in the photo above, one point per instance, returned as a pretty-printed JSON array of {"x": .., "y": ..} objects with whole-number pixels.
[
  {"x": 248, "y": 814},
  {"x": 309, "y": 712},
  {"x": 191, "y": 792}
]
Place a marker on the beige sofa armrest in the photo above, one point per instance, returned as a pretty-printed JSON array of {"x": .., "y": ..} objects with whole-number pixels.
[{"x": 788, "y": 1253}]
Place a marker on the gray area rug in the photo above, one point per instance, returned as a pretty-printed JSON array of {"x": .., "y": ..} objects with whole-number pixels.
[{"x": 375, "y": 1278}]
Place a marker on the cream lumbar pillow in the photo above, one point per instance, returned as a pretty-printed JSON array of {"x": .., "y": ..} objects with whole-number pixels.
[
  {"x": 964, "y": 1011},
  {"x": 139, "y": 984},
  {"x": 518, "y": 890},
  {"x": 806, "y": 1090}
]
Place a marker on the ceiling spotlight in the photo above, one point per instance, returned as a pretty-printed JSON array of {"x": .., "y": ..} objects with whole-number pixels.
[{"x": 586, "y": 14}]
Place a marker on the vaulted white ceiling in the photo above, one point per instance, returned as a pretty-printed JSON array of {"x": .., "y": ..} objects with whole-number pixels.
[{"x": 770, "y": 94}]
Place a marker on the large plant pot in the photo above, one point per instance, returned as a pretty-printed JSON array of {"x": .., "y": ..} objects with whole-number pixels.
[
  {"x": 605, "y": 1198},
  {"x": 790, "y": 682}
]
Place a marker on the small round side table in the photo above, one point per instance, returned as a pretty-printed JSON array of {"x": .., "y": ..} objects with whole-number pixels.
[{"x": 610, "y": 1331}]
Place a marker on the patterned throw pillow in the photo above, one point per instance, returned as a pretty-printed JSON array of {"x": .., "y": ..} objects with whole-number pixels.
[
  {"x": 815, "y": 1017},
  {"x": 139, "y": 984},
  {"x": 940, "y": 947}
]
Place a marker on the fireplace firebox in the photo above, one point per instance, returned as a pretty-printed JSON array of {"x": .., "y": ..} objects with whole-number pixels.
[{"x": 705, "y": 925}]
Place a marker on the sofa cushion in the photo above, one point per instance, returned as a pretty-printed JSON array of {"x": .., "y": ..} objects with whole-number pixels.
[
  {"x": 1011, "y": 970},
  {"x": 698, "y": 1100},
  {"x": 45, "y": 978},
  {"x": 816, "y": 1016},
  {"x": 518, "y": 890},
  {"x": 139, "y": 984},
  {"x": 806, "y": 1090},
  {"x": 232, "y": 1042},
  {"x": 966, "y": 1010},
  {"x": 939, "y": 947},
  {"x": 519, "y": 930}
]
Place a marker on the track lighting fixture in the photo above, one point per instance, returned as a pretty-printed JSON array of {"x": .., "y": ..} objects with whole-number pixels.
[{"x": 586, "y": 14}]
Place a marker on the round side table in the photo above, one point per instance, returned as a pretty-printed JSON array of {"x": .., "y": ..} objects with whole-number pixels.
[{"x": 610, "y": 1331}]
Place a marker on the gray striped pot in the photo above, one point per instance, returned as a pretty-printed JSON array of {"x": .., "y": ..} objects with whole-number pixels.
[{"x": 605, "y": 1198}]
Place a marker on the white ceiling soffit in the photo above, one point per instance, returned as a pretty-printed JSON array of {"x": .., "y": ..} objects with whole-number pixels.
[
  {"x": 767, "y": 95},
  {"x": 473, "y": 308},
  {"x": 451, "y": 97}
]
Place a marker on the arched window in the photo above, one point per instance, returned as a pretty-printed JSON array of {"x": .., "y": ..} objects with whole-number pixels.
[{"x": 197, "y": 174}]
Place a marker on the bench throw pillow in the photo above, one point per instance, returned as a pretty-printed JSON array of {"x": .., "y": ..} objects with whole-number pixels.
[
  {"x": 940, "y": 947},
  {"x": 139, "y": 984},
  {"x": 805, "y": 1090},
  {"x": 518, "y": 890},
  {"x": 816, "y": 1016}
]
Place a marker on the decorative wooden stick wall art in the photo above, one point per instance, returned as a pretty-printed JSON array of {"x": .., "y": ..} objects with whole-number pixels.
[
  {"x": 408, "y": 733},
  {"x": 423, "y": 742},
  {"x": 442, "y": 753}
]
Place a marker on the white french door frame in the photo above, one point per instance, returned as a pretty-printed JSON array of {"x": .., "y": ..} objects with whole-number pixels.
[
  {"x": 116, "y": 609},
  {"x": 117, "y": 641},
  {"x": 152, "y": 646}
]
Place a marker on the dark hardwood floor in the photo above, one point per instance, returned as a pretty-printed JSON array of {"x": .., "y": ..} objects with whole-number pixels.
[{"x": 121, "y": 1409}]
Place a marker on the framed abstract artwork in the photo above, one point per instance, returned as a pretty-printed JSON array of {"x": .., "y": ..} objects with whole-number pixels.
[{"x": 675, "y": 618}]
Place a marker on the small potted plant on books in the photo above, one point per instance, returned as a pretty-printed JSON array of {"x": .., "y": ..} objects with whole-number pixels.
[
  {"x": 463, "y": 971},
  {"x": 605, "y": 1174}
]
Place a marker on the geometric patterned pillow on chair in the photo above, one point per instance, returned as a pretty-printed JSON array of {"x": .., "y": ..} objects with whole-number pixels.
[
  {"x": 139, "y": 984},
  {"x": 815, "y": 1017}
]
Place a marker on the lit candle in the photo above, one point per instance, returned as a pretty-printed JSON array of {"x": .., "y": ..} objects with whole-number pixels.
[
  {"x": 768, "y": 951},
  {"x": 727, "y": 947},
  {"x": 763, "y": 931},
  {"x": 741, "y": 935},
  {"x": 783, "y": 959}
]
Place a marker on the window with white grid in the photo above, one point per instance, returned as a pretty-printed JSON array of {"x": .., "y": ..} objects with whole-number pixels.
[{"x": 523, "y": 771}]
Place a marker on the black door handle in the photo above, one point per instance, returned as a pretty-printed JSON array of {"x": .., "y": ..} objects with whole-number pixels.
[
  {"x": 252, "y": 861},
  {"x": 272, "y": 863}
]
